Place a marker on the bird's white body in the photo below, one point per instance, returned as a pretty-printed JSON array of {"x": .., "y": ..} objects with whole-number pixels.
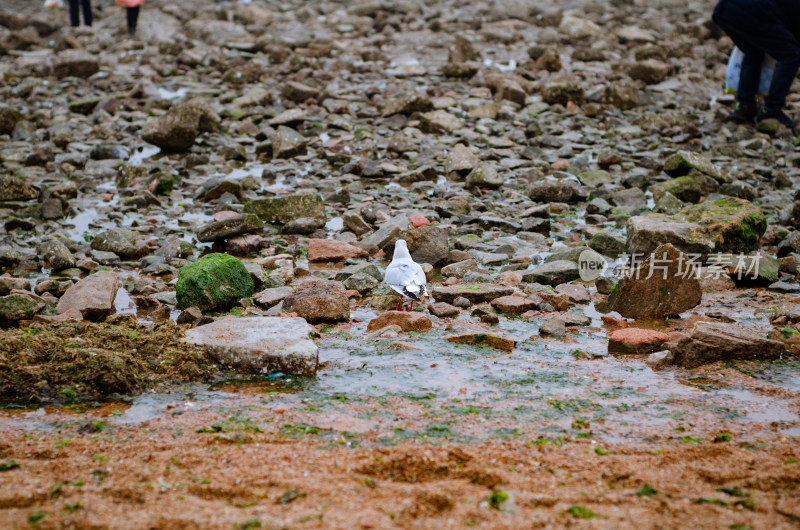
[{"x": 404, "y": 275}]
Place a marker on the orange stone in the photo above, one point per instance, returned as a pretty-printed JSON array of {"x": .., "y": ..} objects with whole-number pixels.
[
  {"x": 636, "y": 340},
  {"x": 330, "y": 250},
  {"x": 407, "y": 320},
  {"x": 418, "y": 220}
]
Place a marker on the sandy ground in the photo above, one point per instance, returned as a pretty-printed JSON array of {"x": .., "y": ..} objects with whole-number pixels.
[{"x": 173, "y": 477}]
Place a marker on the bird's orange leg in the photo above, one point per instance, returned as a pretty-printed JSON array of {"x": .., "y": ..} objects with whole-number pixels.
[
  {"x": 412, "y": 306},
  {"x": 399, "y": 305}
]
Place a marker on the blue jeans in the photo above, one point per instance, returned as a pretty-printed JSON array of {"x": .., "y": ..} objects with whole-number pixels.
[{"x": 756, "y": 29}]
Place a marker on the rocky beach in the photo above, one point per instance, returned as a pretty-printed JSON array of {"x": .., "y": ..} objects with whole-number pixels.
[{"x": 195, "y": 223}]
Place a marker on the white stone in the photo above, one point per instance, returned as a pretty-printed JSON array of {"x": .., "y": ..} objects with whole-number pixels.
[{"x": 260, "y": 344}]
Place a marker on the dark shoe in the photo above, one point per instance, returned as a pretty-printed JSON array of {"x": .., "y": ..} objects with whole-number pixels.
[
  {"x": 765, "y": 114},
  {"x": 744, "y": 113}
]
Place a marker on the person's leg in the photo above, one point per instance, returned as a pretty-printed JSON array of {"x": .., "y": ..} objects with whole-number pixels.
[
  {"x": 782, "y": 45},
  {"x": 87, "y": 12},
  {"x": 785, "y": 71},
  {"x": 74, "y": 13},
  {"x": 133, "y": 15},
  {"x": 755, "y": 30},
  {"x": 749, "y": 78},
  {"x": 727, "y": 16}
]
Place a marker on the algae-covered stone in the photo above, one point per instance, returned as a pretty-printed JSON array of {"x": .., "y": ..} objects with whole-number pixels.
[
  {"x": 646, "y": 232},
  {"x": 180, "y": 126},
  {"x": 735, "y": 225},
  {"x": 120, "y": 241},
  {"x": 16, "y": 307},
  {"x": 685, "y": 188},
  {"x": 215, "y": 281},
  {"x": 85, "y": 105},
  {"x": 16, "y": 189},
  {"x": 230, "y": 227},
  {"x": 289, "y": 208},
  {"x": 664, "y": 284},
  {"x": 9, "y": 117},
  {"x": 683, "y": 162},
  {"x": 730, "y": 225}
]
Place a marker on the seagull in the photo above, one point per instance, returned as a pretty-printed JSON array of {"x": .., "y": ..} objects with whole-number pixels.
[{"x": 405, "y": 276}]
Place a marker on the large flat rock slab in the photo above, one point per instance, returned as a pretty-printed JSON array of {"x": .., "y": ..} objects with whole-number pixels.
[
  {"x": 709, "y": 342},
  {"x": 260, "y": 344}
]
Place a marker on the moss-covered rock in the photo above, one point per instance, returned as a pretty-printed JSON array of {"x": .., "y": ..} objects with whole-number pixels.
[
  {"x": 289, "y": 208},
  {"x": 215, "y": 281},
  {"x": 119, "y": 240},
  {"x": 686, "y": 189},
  {"x": 16, "y": 307},
  {"x": 683, "y": 162},
  {"x": 85, "y": 105},
  {"x": 728, "y": 225},
  {"x": 735, "y": 225},
  {"x": 16, "y": 189}
]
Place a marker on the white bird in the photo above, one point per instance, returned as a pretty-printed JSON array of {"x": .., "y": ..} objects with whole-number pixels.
[{"x": 405, "y": 276}]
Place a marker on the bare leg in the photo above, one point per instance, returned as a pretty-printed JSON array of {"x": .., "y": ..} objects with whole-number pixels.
[
  {"x": 399, "y": 305},
  {"x": 412, "y": 306}
]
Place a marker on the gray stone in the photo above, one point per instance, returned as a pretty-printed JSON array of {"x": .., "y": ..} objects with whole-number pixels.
[
  {"x": 554, "y": 327},
  {"x": 384, "y": 235},
  {"x": 459, "y": 269},
  {"x": 355, "y": 223},
  {"x": 460, "y": 160},
  {"x": 607, "y": 244},
  {"x": 75, "y": 63},
  {"x": 288, "y": 143},
  {"x": 120, "y": 241},
  {"x": 484, "y": 176},
  {"x": 683, "y": 162},
  {"x": 181, "y": 125},
  {"x": 287, "y": 208},
  {"x": 645, "y": 233},
  {"x": 8, "y": 284},
  {"x": 361, "y": 282},
  {"x": 257, "y": 274},
  {"x": 551, "y": 191},
  {"x": 660, "y": 359},
  {"x": 56, "y": 254},
  {"x": 272, "y": 296},
  {"x": 260, "y": 344},
  {"x": 553, "y": 273},
  {"x": 369, "y": 269},
  {"x": 227, "y": 228},
  {"x": 474, "y": 294}
]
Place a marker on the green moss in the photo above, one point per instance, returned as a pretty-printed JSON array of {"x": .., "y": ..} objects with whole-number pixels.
[
  {"x": 285, "y": 209},
  {"x": 215, "y": 281},
  {"x": 735, "y": 225},
  {"x": 164, "y": 185}
]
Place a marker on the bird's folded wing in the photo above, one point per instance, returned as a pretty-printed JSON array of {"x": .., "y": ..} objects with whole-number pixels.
[{"x": 398, "y": 274}]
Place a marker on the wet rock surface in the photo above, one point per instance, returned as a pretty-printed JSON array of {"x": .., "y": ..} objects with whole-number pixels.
[
  {"x": 710, "y": 342},
  {"x": 259, "y": 344},
  {"x": 664, "y": 284},
  {"x": 501, "y": 140}
]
